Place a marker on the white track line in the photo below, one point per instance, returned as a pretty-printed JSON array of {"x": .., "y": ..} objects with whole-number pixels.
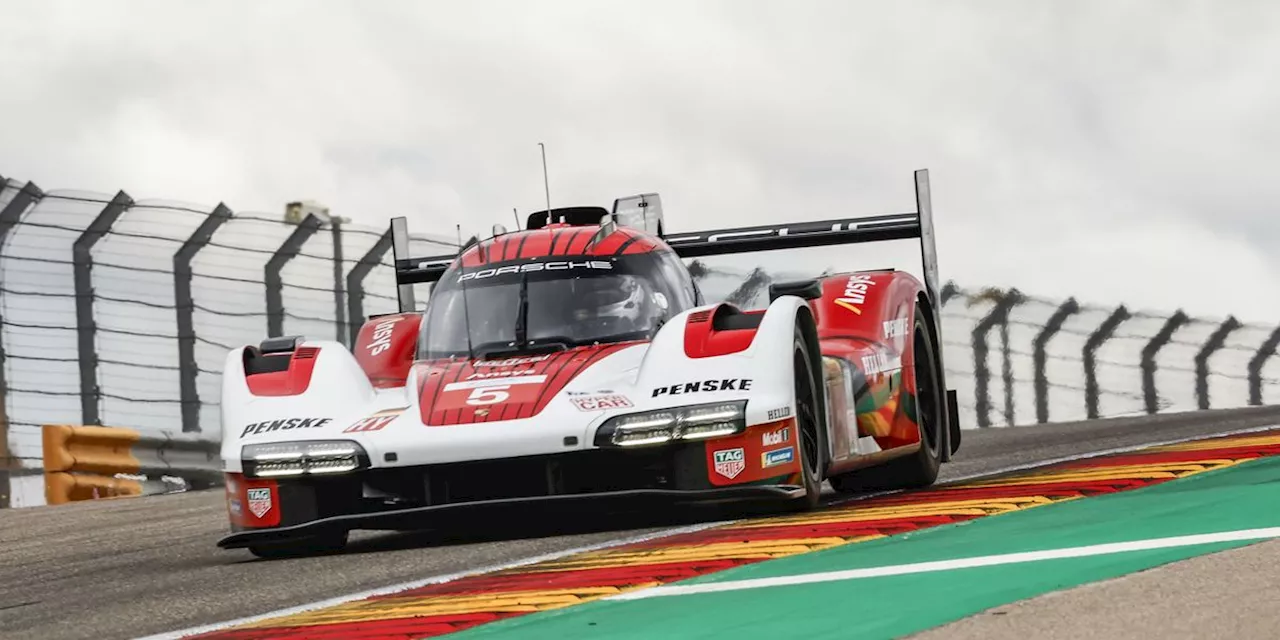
[
  {"x": 450, "y": 577},
  {"x": 950, "y": 565},
  {"x": 174, "y": 635}
]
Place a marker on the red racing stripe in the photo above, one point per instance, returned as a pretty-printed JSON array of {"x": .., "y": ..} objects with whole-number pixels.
[{"x": 395, "y": 628}]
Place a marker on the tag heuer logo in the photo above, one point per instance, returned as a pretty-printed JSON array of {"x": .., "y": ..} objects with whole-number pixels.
[
  {"x": 259, "y": 501},
  {"x": 730, "y": 462}
]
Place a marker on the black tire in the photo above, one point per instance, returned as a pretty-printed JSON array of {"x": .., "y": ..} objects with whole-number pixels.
[
  {"x": 809, "y": 427},
  {"x": 921, "y": 468},
  {"x": 319, "y": 544}
]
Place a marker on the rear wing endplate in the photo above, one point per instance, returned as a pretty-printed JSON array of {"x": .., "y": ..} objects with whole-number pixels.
[{"x": 897, "y": 226}]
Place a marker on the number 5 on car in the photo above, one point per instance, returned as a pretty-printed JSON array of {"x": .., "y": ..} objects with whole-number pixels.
[{"x": 472, "y": 393}]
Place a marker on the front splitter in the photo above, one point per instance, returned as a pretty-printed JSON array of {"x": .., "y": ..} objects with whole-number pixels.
[{"x": 411, "y": 518}]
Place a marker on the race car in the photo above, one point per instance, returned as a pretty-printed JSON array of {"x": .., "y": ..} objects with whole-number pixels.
[{"x": 576, "y": 359}]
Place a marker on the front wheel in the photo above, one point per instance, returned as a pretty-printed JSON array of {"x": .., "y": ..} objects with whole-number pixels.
[
  {"x": 809, "y": 425},
  {"x": 921, "y": 468}
]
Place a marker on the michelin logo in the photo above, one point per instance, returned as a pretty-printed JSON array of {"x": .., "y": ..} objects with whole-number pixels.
[{"x": 777, "y": 457}]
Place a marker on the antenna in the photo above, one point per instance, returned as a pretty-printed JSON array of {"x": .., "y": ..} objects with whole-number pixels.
[
  {"x": 545, "y": 183},
  {"x": 466, "y": 312},
  {"x": 515, "y": 214}
]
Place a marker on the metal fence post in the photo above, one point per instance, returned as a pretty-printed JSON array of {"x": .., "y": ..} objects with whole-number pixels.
[
  {"x": 1004, "y": 303},
  {"x": 949, "y": 291},
  {"x": 86, "y": 328},
  {"x": 1149, "y": 396},
  {"x": 339, "y": 288},
  {"x": 355, "y": 282},
  {"x": 1039, "y": 357},
  {"x": 1213, "y": 344},
  {"x": 749, "y": 287},
  {"x": 271, "y": 274},
  {"x": 184, "y": 307},
  {"x": 1095, "y": 340},
  {"x": 9, "y": 217},
  {"x": 1259, "y": 359}
]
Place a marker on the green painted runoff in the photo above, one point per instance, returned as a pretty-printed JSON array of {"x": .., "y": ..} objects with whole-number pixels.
[{"x": 1237, "y": 497}]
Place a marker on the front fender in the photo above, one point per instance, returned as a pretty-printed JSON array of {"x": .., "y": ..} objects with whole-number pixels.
[
  {"x": 336, "y": 390},
  {"x": 760, "y": 373}
]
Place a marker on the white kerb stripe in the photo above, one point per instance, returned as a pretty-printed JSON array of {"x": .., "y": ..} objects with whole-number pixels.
[
  {"x": 439, "y": 579},
  {"x": 948, "y": 565}
]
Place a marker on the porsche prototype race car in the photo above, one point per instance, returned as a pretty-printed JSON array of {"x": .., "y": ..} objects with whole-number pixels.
[{"x": 576, "y": 359}]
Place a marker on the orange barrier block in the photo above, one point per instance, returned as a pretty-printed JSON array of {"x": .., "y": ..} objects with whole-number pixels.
[
  {"x": 79, "y": 462},
  {"x": 61, "y": 487}
]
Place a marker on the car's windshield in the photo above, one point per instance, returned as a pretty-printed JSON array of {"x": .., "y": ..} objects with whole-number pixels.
[{"x": 567, "y": 302}]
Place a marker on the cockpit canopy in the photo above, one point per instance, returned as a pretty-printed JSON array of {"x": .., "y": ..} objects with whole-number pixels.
[{"x": 553, "y": 302}]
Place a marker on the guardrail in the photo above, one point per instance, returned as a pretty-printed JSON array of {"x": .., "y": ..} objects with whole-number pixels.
[{"x": 85, "y": 463}]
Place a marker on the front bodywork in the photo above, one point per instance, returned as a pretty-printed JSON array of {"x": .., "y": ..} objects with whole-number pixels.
[
  {"x": 439, "y": 436},
  {"x": 393, "y": 433},
  {"x": 466, "y": 432}
]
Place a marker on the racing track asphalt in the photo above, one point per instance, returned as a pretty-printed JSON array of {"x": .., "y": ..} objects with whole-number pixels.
[{"x": 133, "y": 567}]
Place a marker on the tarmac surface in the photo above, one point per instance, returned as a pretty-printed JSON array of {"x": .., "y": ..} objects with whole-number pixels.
[{"x": 139, "y": 566}]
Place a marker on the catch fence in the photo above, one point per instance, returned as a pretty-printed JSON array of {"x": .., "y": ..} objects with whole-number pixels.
[{"x": 120, "y": 312}]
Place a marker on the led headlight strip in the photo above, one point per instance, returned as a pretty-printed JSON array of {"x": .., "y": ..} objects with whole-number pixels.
[
  {"x": 285, "y": 459},
  {"x": 695, "y": 422}
]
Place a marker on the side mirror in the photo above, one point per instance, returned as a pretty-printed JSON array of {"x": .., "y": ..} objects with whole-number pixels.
[
  {"x": 807, "y": 289},
  {"x": 643, "y": 212}
]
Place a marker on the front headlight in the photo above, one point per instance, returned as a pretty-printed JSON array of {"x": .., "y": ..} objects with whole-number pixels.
[
  {"x": 320, "y": 457},
  {"x": 696, "y": 422}
]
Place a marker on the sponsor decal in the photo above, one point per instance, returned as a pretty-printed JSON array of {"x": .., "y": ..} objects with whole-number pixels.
[
  {"x": 558, "y": 265},
  {"x": 599, "y": 402},
  {"x": 776, "y": 437},
  {"x": 855, "y": 293},
  {"x": 485, "y": 392},
  {"x": 286, "y": 424},
  {"x": 726, "y": 384},
  {"x": 777, "y": 457},
  {"x": 879, "y": 363},
  {"x": 234, "y": 505},
  {"x": 778, "y": 414},
  {"x": 259, "y": 501},
  {"x": 482, "y": 375},
  {"x": 510, "y": 362},
  {"x": 382, "y": 335},
  {"x": 730, "y": 462},
  {"x": 895, "y": 328},
  {"x": 375, "y": 422}
]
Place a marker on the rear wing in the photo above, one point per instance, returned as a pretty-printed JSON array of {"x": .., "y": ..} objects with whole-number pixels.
[
  {"x": 645, "y": 212},
  {"x": 799, "y": 235}
]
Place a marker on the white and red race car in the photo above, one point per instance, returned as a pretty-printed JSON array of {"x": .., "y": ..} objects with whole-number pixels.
[{"x": 576, "y": 360}]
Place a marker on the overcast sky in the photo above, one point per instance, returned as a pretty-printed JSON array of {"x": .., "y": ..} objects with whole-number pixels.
[{"x": 1116, "y": 151}]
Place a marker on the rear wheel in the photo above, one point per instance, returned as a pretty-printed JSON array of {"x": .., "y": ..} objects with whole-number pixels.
[
  {"x": 921, "y": 468},
  {"x": 809, "y": 426}
]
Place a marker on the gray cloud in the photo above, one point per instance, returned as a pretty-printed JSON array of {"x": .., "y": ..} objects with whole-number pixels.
[{"x": 1114, "y": 151}]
